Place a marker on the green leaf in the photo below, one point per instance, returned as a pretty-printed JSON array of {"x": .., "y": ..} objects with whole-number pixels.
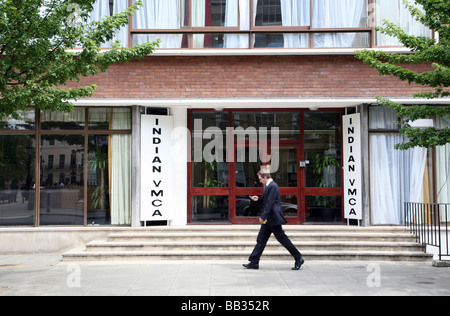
[
  {"x": 431, "y": 51},
  {"x": 36, "y": 38}
]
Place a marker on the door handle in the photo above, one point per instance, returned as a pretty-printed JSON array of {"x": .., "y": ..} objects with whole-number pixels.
[{"x": 303, "y": 163}]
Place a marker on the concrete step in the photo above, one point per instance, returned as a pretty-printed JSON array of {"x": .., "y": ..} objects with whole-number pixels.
[
  {"x": 239, "y": 236},
  {"x": 255, "y": 228},
  {"x": 243, "y": 255},
  {"x": 247, "y": 246},
  {"x": 235, "y": 242}
]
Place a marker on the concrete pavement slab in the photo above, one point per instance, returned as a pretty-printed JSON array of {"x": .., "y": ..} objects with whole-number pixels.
[{"x": 47, "y": 275}]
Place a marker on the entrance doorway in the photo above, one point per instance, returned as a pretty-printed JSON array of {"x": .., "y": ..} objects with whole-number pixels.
[{"x": 305, "y": 154}]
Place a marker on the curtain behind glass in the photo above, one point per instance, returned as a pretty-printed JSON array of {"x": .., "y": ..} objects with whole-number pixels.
[
  {"x": 198, "y": 20},
  {"x": 395, "y": 176},
  {"x": 120, "y": 6},
  {"x": 102, "y": 10},
  {"x": 337, "y": 14},
  {"x": 395, "y": 11},
  {"x": 295, "y": 13},
  {"x": 160, "y": 14},
  {"x": 237, "y": 10},
  {"x": 443, "y": 168},
  {"x": 120, "y": 170}
]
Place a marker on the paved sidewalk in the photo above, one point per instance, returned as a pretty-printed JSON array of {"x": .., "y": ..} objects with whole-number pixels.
[{"x": 36, "y": 275}]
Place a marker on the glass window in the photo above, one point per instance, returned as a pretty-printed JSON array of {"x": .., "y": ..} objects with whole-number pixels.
[
  {"x": 215, "y": 13},
  {"x": 62, "y": 189},
  {"x": 161, "y": 14},
  {"x": 245, "y": 207},
  {"x": 329, "y": 40},
  {"x": 288, "y": 40},
  {"x": 339, "y": 14},
  {"x": 396, "y": 12},
  {"x": 109, "y": 180},
  {"x": 287, "y": 122},
  {"x": 62, "y": 165},
  {"x": 209, "y": 151},
  {"x": 120, "y": 181},
  {"x": 323, "y": 149},
  {"x": 220, "y": 40},
  {"x": 106, "y": 8},
  {"x": 207, "y": 208},
  {"x": 286, "y": 175},
  {"x": 324, "y": 14},
  {"x": 383, "y": 118},
  {"x": 443, "y": 166},
  {"x": 17, "y": 180},
  {"x": 396, "y": 176},
  {"x": 25, "y": 121},
  {"x": 110, "y": 119},
  {"x": 248, "y": 165},
  {"x": 205, "y": 120},
  {"x": 98, "y": 202},
  {"x": 167, "y": 40},
  {"x": 62, "y": 120},
  {"x": 282, "y": 13},
  {"x": 322, "y": 208},
  {"x": 211, "y": 172}
]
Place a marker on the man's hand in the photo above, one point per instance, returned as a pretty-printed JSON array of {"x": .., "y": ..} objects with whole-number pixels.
[{"x": 254, "y": 198}]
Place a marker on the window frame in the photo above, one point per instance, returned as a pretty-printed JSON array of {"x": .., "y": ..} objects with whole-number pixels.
[
  {"x": 37, "y": 132},
  {"x": 191, "y": 31}
]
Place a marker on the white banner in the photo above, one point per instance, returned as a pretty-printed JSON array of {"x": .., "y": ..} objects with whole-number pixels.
[
  {"x": 352, "y": 166},
  {"x": 156, "y": 167}
]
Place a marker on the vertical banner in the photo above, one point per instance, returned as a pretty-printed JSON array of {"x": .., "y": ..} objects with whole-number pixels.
[
  {"x": 156, "y": 167},
  {"x": 352, "y": 166}
]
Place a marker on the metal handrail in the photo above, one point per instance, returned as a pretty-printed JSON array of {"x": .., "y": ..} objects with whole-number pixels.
[{"x": 429, "y": 222}]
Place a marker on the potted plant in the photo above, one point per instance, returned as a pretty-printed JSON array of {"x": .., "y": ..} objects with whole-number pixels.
[
  {"x": 99, "y": 164},
  {"x": 325, "y": 167}
]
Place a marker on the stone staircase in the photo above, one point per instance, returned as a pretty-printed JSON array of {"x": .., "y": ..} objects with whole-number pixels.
[{"x": 235, "y": 242}]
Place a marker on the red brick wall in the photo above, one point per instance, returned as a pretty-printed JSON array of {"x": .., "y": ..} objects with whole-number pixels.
[{"x": 248, "y": 77}]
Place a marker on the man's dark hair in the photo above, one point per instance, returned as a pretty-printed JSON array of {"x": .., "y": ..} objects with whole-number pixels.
[{"x": 265, "y": 175}]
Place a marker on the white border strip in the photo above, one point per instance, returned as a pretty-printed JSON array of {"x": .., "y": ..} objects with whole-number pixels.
[
  {"x": 264, "y": 103},
  {"x": 265, "y": 51}
]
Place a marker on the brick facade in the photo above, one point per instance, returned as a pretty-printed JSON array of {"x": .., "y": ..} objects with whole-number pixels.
[{"x": 157, "y": 77}]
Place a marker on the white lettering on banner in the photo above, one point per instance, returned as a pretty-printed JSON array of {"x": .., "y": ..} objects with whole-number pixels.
[
  {"x": 352, "y": 167},
  {"x": 156, "y": 167}
]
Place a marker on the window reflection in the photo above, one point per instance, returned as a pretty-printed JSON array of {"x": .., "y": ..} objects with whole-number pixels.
[
  {"x": 323, "y": 208},
  {"x": 25, "y": 121},
  {"x": 245, "y": 207},
  {"x": 98, "y": 180},
  {"x": 210, "y": 208},
  {"x": 62, "y": 180},
  {"x": 17, "y": 180},
  {"x": 211, "y": 172},
  {"x": 57, "y": 121},
  {"x": 62, "y": 165},
  {"x": 323, "y": 149}
]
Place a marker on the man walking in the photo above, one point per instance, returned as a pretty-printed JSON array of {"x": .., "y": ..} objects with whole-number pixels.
[{"x": 271, "y": 222}]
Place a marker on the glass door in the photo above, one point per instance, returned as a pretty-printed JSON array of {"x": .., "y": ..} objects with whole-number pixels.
[
  {"x": 323, "y": 171},
  {"x": 305, "y": 158},
  {"x": 285, "y": 172}
]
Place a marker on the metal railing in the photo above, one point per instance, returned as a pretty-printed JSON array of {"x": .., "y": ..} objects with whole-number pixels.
[{"x": 430, "y": 223}]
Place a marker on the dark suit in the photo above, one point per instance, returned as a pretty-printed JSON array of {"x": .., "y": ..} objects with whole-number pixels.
[{"x": 272, "y": 211}]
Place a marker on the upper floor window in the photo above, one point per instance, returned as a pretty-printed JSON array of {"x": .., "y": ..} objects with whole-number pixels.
[{"x": 261, "y": 23}]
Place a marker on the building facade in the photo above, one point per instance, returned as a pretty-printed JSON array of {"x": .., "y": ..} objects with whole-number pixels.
[{"x": 237, "y": 85}]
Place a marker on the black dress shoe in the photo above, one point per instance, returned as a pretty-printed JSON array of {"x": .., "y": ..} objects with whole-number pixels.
[
  {"x": 298, "y": 264},
  {"x": 250, "y": 265}
]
